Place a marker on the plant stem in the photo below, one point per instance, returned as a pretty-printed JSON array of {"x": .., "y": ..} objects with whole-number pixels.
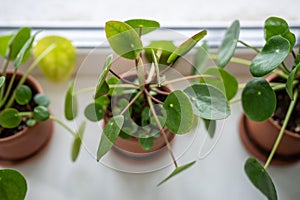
[
  {"x": 249, "y": 46},
  {"x": 234, "y": 60},
  {"x": 25, "y": 114},
  {"x": 294, "y": 55},
  {"x": 12, "y": 80},
  {"x": 161, "y": 130},
  {"x": 5, "y": 66},
  {"x": 160, "y": 91},
  {"x": 285, "y": 122},
  {"x": 280, "y": 74},
  {"x": 152, "y": 97},
  {"x": 232, "y": 101},
  {"x": 130, "y": 86},
  {"x": 63, "y": 125},
  {"x": 120, "y": 78},
  {"x": 131, "y": 102}
]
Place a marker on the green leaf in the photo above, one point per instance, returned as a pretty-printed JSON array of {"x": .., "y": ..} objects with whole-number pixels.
[
  {"x": 228, "y": 44},
  {"x": 208, "y": 102},
  {"x": 224, "y": 81},
  {"x": 17, "y": 42},
  {"x": 59, "y": 64},
  {"x": 13, "y": 185},
  {"x": 2, "y": 81},
  {"x": 41, "y": 113},
  {"x": 146, "y": 25},
  {"x": 30, "y": 122},
  {"x": 290, "y": 80},
  {"x": 179, "y": 112},
  {"x": 186, "y": 46},
  {"x": 278, "y": 26},
  {"x": 4, "y": 40},
  {"x": 201, "y": 58},
  {"x": 94, "y": 112},
  {"x": 258, "y": 100},
  {"x": 103, "y": 101},
  {"x": 273, "y": 54},
  {"x": 109, "y": 135},
  {"x": 177, "y": 171},
  {"x": 23, "y": 95},
  {"x": 102, "y": 87},
  {"x": 210, "y": 126},
  {"x": 123, "y": 39},
  {"x": 9, "y": 118},
  {"x": 41, "y": 100},
  {"x": 260, "y": 178},
  {"x": 77, "y": 142},
  {"x": 71, "y": 105},
  {"x": 146, "y": 142}
]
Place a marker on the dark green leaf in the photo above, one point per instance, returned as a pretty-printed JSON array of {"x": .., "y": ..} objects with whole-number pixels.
[
  {"x": 9, "y": 118},
  {"x": 103, "y": 101},
  {"x": 179, "y": 112},
  {"x": 260, "y": 178},
  {"x": 146, "y": 25},
  {"x": 258, "y": 100},
  {"x": 30, "y": 122},
  {"x": 278, "y": 26},
  {"x": 208, "y": 102},
  {"x": 23, "y": 95},
  {"x": 201, "y": 58},
  {"x": 94, "y": 112},
  {"x": 177, "y": 171},
  {"x": 186, "y": 46},
  {"x": 41, "y": 113},
  {"x": 146, "y": 143},
  {"x": 290, "y": 80},
  {"x": 71, "y": 105},
  {"x": 114, "y": 91},
  {"x": 273, "y": 54},
  {"x": 123, "y": 39},
  {"x": 102, "y": 87},
  {"x": 124, "y": 135},
  {"x": 2, "y": 81},
  {"x": 13, "y": 185},
  {"x": 4, "y": 40},
  {"x": 228, "y": 44},
  {"x": 210, "y": 126},
  {"x": 17, "y": 42},
  {"x": 41, "y": 100},
  {"x": 223, "y": 80},
  {"x": 109, "y": 135},
  {"x": 77, "y": 142}
]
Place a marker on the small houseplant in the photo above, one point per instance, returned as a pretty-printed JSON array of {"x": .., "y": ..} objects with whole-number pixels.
[
  {"x": 271, "y": 101},
  {"x": 25, "y": 121},
  {"x": 139, "y": 107}
]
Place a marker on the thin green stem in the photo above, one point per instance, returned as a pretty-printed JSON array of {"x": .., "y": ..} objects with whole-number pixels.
[
  {"x": 249, "y": 46},
  {"x": 3, "y": 73},
  {"x": 63, "y": 125},
  {"x": 152, "y": 97},
  {"x": 120, "y": 78},
  {"x": 284, "y": 69},
  {"x": 234, "y": 60},
  {"x": 129, "y": 86},
  {"x": 232, "y": 101},
  {"x": 25, "y": 114},
  {"x": 11, "y": 82},
  {"x": 285, "y": 122},
  {"x": 131, "y": 102},
  {"x": 280, "y": 74}
]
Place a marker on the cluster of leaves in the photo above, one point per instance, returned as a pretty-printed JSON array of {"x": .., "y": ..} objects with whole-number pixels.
[
  {"x": 258, "y": 96},
  {"x": 207, "y": 98}
]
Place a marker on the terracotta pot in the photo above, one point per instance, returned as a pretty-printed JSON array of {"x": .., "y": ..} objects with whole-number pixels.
[
  {"x": 30, "y": 140},
  {"x": 259, "y": 138}
]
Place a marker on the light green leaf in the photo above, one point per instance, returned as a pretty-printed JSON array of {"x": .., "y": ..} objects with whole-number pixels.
[
  {"x": 186, "y": 46},
  {"x": 210, "y": 126},
  {"x": 17, "y": 41},
  {"x": 30, "y": 122},
  {"x": 4, "y": 40},
  {"x": 146, "y": 25},
  {"x": 77, "y": 142},
  {"x": 109, "y": 135},
  {"x": 260, "y": 178},
  {"x": 41, "y": 100},
  {"x": 179, "y": 112},
  {"x": 94, "y": 112},
  {"x": 102, "y": 87},
  {"x": 201, "y": 58},
  {"x": 290, "y": 80},
  {"x": 208, "y": 102},
  {"x": 71, "y": 105},
  {"x": 123, "y": 39},
  {"x": 258, "y": 100},
  {"x": 177, "y": 171},
  {"x": 23, "y": 95},
  {"x": 13, "y": 185},
  {"x": 162, "y": 49},
  {"x": 2, "y": 81},
  {"x": 9, "y": 118},
  {"x": 228, "y": 44},
  {"x": 146, "y": 143},
  {"x": 273, "y": 54}
]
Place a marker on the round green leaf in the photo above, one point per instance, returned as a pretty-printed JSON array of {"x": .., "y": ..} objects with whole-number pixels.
[
  {"x": 41, "y": 113},
  {"x": 179, "y": 112},
  {"x": 273, "y": 54},
  {"x": 146, "y": 143},
  {"x": 9, "y": 118},
  {"x": 224, "y": 81},
  {"x": 94, "y": 112},
  {"x": 23, "y": 95},
  {"x": 77, "y": 142},
  {"x": 13, "y": 185},
  {"x": 71, "y": 105},
  {"x": 260, "y": 178},
  {"x": 123, "y": 39},
  {"x": 41, "y": 100},
  {"x": 208, "y": 102},
  {"x": 258, "y": 100},
  {"x": 162, "y": 48},
  {"x": 59, "y": 64},
  {"x": 17, "y": 42},
  {"x": 30, "y": 122},
  {"x": 228, "y": 44},
  {"x": 146, "y": 25}
]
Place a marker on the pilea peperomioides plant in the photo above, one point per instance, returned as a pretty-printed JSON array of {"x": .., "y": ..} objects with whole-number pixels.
[{"x": 139, "y": 106}]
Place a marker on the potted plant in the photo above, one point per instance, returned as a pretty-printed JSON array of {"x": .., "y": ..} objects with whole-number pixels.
[
  {"x": 270, "y": 127},
  {"x": 140, "y": 107},
  {"x": 26, "y": 124}
]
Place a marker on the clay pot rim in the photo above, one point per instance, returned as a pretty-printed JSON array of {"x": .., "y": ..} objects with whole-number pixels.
[
  {"x": 272, "y": 121},
  {"x": 39, "y": 89}
]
